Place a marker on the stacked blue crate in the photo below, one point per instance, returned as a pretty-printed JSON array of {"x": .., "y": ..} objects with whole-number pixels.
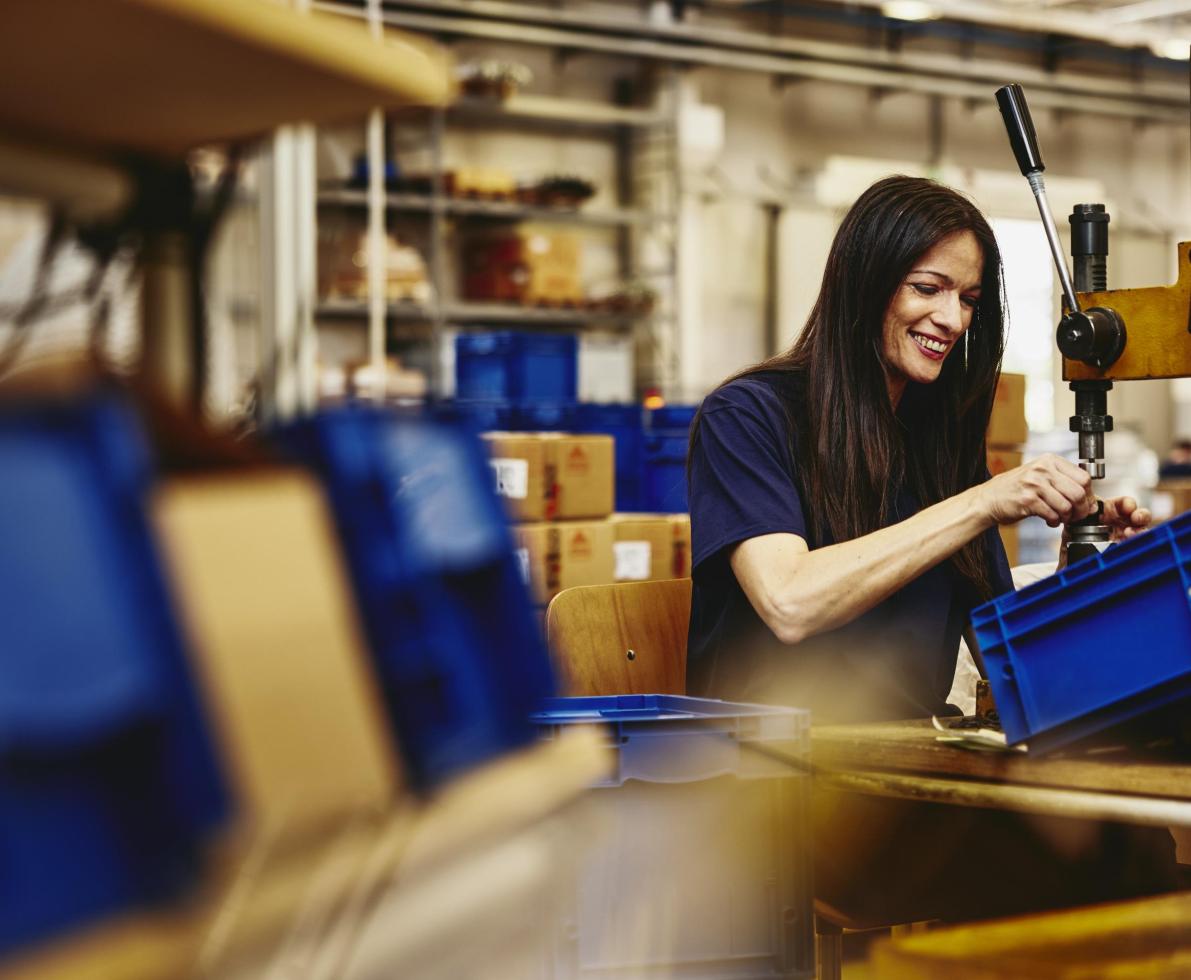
[
  {"x": 625, "y": 424},
  {"x": 516, "y": 381},
  {"x": 459, "y": 657},
  {"x": 667, "y": 434},
  {"x": 109, "y": 785}
]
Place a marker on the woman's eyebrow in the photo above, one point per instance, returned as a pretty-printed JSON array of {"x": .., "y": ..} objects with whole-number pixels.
[{"x": 946, "y": 278}]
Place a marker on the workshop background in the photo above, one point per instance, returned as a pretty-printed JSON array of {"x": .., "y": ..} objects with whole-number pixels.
[{"x": 612, "y": 207}]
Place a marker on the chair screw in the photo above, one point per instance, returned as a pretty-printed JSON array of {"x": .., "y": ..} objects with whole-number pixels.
[{"x": 631, "y": 655}]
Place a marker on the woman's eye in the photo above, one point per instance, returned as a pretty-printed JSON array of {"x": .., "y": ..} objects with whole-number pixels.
[
  {"x": 971, "y": 302},
  {"x": 924, "y": 289}
]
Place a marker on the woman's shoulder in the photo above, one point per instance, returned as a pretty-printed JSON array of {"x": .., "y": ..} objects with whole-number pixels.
[{"x": 769, "y": 393}]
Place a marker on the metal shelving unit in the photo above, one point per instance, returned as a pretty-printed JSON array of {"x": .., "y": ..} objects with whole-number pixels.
[
  {"x": 495, "y": 210},
  {"x": 634, "y": 132},
  {"x": 476, "y": 313}
]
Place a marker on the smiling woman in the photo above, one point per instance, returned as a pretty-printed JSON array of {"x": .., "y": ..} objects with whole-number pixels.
[
  {"x": 844, "y": 525},
  {"x": 843, "y": 521}
]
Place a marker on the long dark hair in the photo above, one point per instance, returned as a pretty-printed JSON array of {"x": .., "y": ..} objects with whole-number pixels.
[{"x": 854, "y": 451}]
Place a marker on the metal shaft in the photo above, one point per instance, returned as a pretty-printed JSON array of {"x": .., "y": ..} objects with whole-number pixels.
[{"x": 1038, "y": 186}]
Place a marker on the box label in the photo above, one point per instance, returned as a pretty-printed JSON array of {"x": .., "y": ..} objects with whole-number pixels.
[
  {"x": 632, "y": 560},
  {"x": 512, "y": 477}
]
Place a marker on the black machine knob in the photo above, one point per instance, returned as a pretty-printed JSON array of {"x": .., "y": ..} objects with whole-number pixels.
[
  {"x": 1020, "y": 126},
  {"x": 1095, "y": 336}
]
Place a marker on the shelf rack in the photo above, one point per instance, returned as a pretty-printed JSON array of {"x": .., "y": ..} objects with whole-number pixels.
[{"x": 490, "y": 209}]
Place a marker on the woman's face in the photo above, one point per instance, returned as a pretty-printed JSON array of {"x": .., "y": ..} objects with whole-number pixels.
[{"x": 930, "y": 310}]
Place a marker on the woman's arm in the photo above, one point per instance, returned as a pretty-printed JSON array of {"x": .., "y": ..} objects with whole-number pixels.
[{"x": 798, "y": 592}]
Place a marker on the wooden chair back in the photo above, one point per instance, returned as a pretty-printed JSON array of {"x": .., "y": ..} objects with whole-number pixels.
[{"x": 628, "y": 638}]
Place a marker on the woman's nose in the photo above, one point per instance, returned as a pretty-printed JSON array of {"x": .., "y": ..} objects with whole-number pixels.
[{"x": 949, "y": 311}]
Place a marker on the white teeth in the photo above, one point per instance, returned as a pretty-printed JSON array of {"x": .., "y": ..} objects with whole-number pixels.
[{"x": 933, "y": 345}]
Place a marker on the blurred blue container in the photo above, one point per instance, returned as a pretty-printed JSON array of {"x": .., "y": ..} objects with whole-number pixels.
[
  {"x": 458, "y": 654},
  {"x": 505, "y": 416},
  {"x": 664, "y": 483},
  {"x": 671, "y": 417},
  {"x": 108, "y": 781},
  {"x": 517, "y": 367},
  {"x": 707, "y": 870},
  {"x": 624, "y": 424},
  {"x": 667, "y": 437},
  {"x": 1104, "y": 641}
]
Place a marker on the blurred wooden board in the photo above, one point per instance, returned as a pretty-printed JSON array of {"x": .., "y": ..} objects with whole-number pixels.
[
  {"x": 257, "y": 896},
  {"x": 161, "y": 76},
  {"x": 1138, "y": 939},
  {"x": 910, "y": 746}
]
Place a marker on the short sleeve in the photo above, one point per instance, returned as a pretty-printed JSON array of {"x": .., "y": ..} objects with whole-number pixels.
[{"x": 742, "y": 481}]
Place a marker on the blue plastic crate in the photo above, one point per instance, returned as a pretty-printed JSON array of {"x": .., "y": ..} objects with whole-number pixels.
[
  {"x": 664, "y": 482},
  {"x": 516, "y": 366},
  {"x": 507, "y": 416},
  {"x": 109, "y": 785},
  {"x": 1104, "y": 641},
  {"x": 671, "y": 417},
  {"x": 703, "y": 868},
  {"x": 625, "y": 424},
  {"x": 458, "y": 654}
]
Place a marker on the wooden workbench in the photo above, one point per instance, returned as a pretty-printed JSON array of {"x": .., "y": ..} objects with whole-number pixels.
[{"x": 904, "y": 759}]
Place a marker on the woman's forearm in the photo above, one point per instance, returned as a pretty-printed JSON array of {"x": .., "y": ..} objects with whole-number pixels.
[{"x": 799, "y": 593}]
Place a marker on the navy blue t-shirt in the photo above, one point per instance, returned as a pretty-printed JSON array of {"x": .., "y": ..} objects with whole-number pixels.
[{"x": 895, "y": 661}]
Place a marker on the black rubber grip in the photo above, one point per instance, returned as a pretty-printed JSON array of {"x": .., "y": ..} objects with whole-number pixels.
[{"x": 1012, "y": 102}]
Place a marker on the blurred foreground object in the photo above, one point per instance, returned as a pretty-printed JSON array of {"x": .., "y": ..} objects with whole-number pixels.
[
  {"x": 108, "y": 781},
  {"x": 102, "y": 98},
  {"x": 1146, "y": 938},
  {"x": 456, "y": 649},
  {"x": 705, "y": 866}
]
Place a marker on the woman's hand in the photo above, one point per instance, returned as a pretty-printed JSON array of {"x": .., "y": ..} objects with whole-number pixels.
[
  {"x": 1049, "y": 487},
  {"x": 1125, "y": 518}
]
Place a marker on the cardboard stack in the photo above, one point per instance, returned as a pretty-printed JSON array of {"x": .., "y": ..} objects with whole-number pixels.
[
  {"x": 1007, "y": 432},
  {"x": 559, "y": 490}
]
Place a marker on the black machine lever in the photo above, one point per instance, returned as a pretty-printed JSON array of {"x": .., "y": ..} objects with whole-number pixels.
[
  {"x": 1095, "y": 336},
  {"x": 1020, "y": 126}
]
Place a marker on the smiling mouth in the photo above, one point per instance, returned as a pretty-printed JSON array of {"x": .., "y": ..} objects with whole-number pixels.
[{"x": 934, "y": 349}]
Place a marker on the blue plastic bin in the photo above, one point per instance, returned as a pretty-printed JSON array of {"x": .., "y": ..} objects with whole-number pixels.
[
  {"x": 516, "y": 366},
  {"x": 664, "y": 483},
  {"x": 459, "y": 657},
  {"x": 624, "y": 424},
  {"x": 506, "y": 416},
  {"x": 108, "y": 780},
  {"x": 671, "y": 417},
  {"x": 1104, "y": 641},
  {"x": 704, "y": 865}
]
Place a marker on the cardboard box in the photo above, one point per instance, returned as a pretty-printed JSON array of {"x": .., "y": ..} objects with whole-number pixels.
[
  {"x": 1009, "y": 540},
  {"x": 1007, "y": 426},
  {"x": 280, "y": 653},
  {"x": 527, "y": 266},
  {"x": 553, "y": 476},
  {"x": 681, "y": 526},
  {"x": 1170, "y": 498},
  {"x": 1000, "y": 460},
  {"x": 643, "y": 547},
  {"x": 665, "y": 538},
  {"x": 562, "y": 555}
]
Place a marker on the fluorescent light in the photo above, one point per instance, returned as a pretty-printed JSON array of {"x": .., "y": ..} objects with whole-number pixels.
[
  {"x": 1175, "y": 48},
  {"x": 908, "y": 10}
]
